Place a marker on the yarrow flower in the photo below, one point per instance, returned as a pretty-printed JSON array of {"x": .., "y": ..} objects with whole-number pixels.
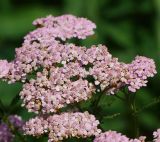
[
  {"x": 156, "y": 135},
  {"x": 43, "y": 48},
  {"x": 138, "y": 72},
  {"x": 113, "y": 136},
  {"x": 4, "y": 68},
  {"x": 48, "y": 94},
  {"x": 36, "y": 126},
  {"x": 67, "y": 74},
  {"x": 63, "y": 126},
  {"x": 67, "y": 26},
  {"x": 16, "y": 121},
  {"x": 40, "y": 45},
  {"x": 6, "y": 134}
]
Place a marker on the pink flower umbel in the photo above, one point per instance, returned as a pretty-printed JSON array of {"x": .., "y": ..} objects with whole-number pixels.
[
  {"x": 113, "y": 136},
  {"x": 156, "y": 135},
  {"x": 4, "y": 68},
  {"x": 138, "y": 72},
  {"x": 63, "y": 126},
  {"x": 57, "y": 74},
  {"x": 6, "y": 133}
]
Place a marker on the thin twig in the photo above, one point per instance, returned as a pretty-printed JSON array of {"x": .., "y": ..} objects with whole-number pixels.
[
  {"x": 111, "y": 116},
  {"x": 154, "y": 102},
  {"x": 119, "y": 97}
]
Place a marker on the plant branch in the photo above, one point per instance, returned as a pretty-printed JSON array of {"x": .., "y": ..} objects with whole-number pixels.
[
  {"x": 154, "y": 102},
  {"x": 122, "y": 99},
  {"x": 133, "y": 120},
  {"x": 111, "y": 116}
]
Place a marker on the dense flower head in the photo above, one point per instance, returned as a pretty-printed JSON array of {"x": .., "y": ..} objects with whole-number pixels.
[
  {"x": 67, "y": 26},
  {"x": 108, "y": 72},
  {"x": 41, "y": 46},
  {"x": 138, "y": 72},
  {"x": 113, "y": 136},
  {"x": 36, "y": 126},
  {"x": 63, "y": 69},
  {"x": 4, "y": 68},
  {"x": 63, "y": 126},
  {"x": 156, "y": 135},
  {"x": 54, "y": 89},
  {"x": 72, "y": 125},
  {"x": 64, "y": 73},
  {"x": 16, "y": 121},
  {"x": 5, "y": 133}
]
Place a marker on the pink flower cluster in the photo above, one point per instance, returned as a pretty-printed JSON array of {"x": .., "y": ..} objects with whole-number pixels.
[
  {"x": 4, "y": 68},
  {"x": 63, "y": 126},
  {"x": 113, "y": 136},
  {"x": 16, "y": 121},
  {"x": 54, "y": 89},
  {"x": 43, "y": 45},
  {"x": 65, "y": 74},
  {"x": 138, "y": 72},
  {"x": 66, "y": 26},
  {"x": 36, "y": 126},
  {"x": 43, "y": 48},
  {"x": 156, "y": 135},
  {"x": 6, "y": 134}
]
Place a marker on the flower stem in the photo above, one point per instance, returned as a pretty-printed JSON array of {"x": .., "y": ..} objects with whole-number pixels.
[
  {"x": 133, "y": 119},
  {"x": 122, "y": 99}
]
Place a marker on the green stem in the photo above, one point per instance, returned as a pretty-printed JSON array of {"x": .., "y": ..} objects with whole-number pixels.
[
  {"x": 95, "y": 104},
  {"x": 98, "y": 100},
  {"x": 2, "y": 109},
  {"x": 122, "y": 99},
  {"x": 133, "y": 119},
  {"x": 154, "y": 102},
  {"x": 94, "y": 109},
  {"x": 111, "y": 116},
  {"x": 79, "y": 107}
]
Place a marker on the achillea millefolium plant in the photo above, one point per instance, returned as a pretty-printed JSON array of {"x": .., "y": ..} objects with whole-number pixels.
[{"x": 64, "y": 74}]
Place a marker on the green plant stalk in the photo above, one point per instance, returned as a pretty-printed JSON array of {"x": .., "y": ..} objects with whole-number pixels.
[
  {"x": 95, "y": 103},
  {"x": 133, "y": 119},
  {"x": 150, "y": 104},
  {"x": 111, "y": 116}
]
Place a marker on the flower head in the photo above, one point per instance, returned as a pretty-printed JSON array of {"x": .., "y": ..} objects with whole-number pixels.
[
  {"x": 67, "y": 26},
  {"x": 156, "y": 135},
  {"x": 63, "y": 126},
  {"x": 4, "y": 68},
  {"x": 16, "y": 121},
  {"x": 5, "y": 133},
  {"x": 113, "y": 136},
  {"x": 138, "y": 72}
]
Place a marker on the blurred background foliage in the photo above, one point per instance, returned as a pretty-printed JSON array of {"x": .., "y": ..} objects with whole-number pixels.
[{"x": 127, "y": 27}]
